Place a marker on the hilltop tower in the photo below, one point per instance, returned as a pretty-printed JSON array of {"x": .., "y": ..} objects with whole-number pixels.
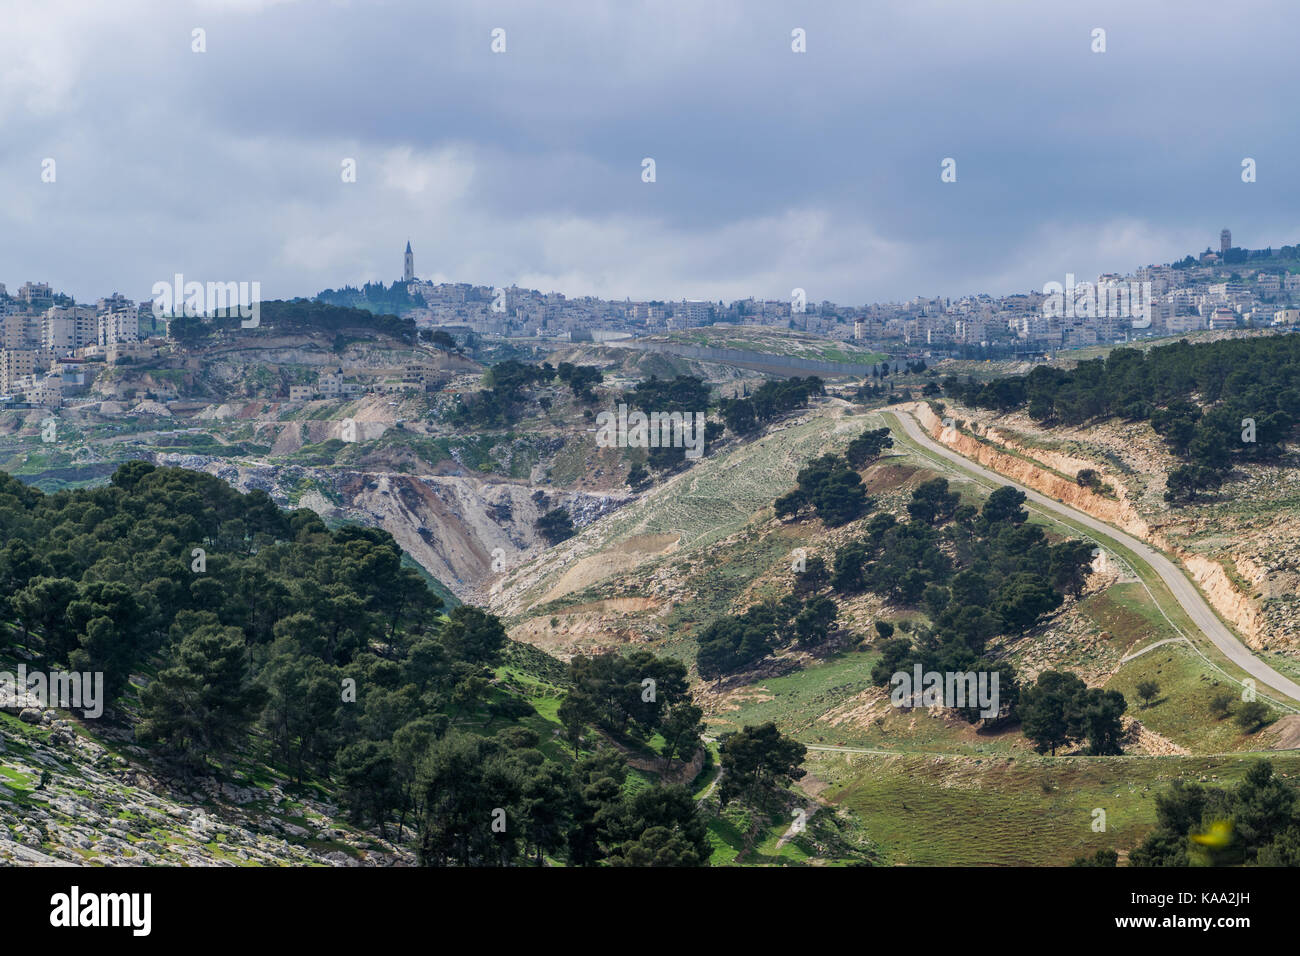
[
  {"x": 1225, "y": 241},
  {"x": 408, "y": 270}
]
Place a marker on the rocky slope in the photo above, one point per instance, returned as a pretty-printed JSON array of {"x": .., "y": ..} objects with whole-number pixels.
[
  {"x": 462, "y": 530},
  {"x": 80, "y": 792}
]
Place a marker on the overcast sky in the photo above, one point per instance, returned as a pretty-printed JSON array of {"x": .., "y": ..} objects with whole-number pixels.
[{"x": 774, "y": 169}]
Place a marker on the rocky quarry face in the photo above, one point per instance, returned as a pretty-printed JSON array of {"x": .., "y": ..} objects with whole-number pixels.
[{"x": 462, "y": 530}]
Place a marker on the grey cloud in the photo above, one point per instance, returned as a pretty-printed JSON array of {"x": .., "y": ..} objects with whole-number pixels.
[{"x": 774, "y": 169}]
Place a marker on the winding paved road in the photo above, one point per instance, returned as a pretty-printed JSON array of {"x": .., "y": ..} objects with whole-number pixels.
[{"x": 1200, "y": 612}]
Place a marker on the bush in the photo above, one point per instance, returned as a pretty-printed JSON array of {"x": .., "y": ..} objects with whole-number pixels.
[
  {"x": 1221, "y": 704},
  {"x": 1147, "y": 691},
  {"x": 1251, "y": 716}
]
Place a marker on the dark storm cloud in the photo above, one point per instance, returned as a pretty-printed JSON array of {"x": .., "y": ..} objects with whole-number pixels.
[{"x": 775, "y": 169}]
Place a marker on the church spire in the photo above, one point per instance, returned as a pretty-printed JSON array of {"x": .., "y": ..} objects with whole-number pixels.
[{"x": 408, "y": 270}]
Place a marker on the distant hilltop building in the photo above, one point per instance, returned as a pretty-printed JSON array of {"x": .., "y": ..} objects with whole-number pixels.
[
  {"x": 1225, "y": 242},
  {"x": 408, "y": 269}
]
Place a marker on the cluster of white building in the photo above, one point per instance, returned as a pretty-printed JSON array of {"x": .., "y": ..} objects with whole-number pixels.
[
  {"x": 1165, "y": 301},
  {"x": 1172, "y": 299},
  {"x": 45, "y": 341}
]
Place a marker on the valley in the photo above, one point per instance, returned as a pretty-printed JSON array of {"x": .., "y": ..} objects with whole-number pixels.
[{"x": 650, "y": 567}]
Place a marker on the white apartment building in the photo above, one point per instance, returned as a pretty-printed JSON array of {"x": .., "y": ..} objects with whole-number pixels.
[
  {"x": 970, "y": 331},
  {"x": 18, "y": 364},
  {"x": 1184, "y": 322},
  {"x": 32, "y": 291},
  {"x": 118, "y": 327},
  {"x": 114, "y": 303},
  {"x": 45, "y": 390},
  {"x": 693, "y": 311},
  {"x": 20, "y": 330},
  {"x": 1221, "y": 290},
  {"x": 1162, "y": 308},
  {"x": 65, "y": 328},
  {"x": 330, "y": 384},
  {"x": 1032, "y": 327},
  {"x": 1223, "y": 318},
  {"x": 1162, "y": 278},
  {"x": 115, "y": 352}
]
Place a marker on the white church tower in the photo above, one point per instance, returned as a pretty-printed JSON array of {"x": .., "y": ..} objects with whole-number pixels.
[{"x": 408, "y": 273}]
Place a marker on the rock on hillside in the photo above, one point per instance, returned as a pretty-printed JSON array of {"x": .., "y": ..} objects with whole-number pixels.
[{"x": 74, "y": 794}]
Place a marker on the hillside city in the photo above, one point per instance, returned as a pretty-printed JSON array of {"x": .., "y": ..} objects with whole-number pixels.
[
  {"x": 1231, "y": 288},
  {"x": 55, "y": 348}
]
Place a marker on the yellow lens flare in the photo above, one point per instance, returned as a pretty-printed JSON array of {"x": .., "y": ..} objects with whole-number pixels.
[{"x": 1219, "y": 834}]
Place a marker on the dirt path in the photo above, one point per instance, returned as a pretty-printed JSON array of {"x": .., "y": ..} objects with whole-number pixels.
[
  {"x": 799, "y": 825},
  {"x": 1152, "y": 647}
]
